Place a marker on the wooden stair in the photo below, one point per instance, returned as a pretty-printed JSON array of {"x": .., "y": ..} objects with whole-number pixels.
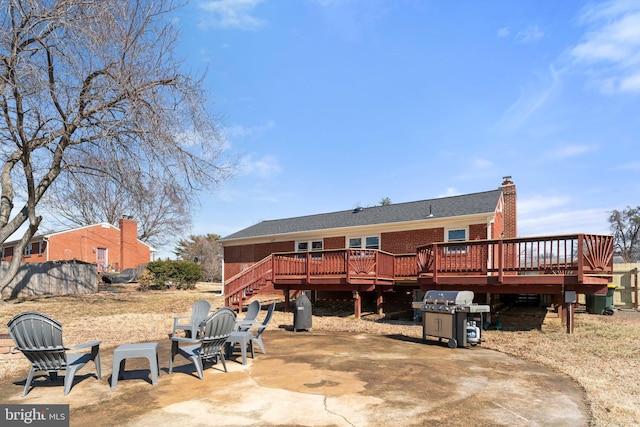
[{"x": 248, "y": 283}]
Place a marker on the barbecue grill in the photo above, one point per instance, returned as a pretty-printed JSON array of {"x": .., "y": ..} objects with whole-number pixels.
[{"x": 451, "y": 315}]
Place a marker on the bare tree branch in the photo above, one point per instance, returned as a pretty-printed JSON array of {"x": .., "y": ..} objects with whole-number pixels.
[{"x": 93, "y": 89}]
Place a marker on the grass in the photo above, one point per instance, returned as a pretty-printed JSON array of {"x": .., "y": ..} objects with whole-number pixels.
[{"x": 602, "y": 354}]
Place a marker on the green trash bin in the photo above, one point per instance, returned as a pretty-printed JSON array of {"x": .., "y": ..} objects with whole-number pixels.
[{"x": 601, "y": 304}]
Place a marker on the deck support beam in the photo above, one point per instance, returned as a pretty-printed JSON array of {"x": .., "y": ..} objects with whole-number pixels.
[
  {"x": 379, "y": 302},
  {"x": 287, "y": 296},
  {"x": 357, "y": 304},
  {"x": 570, "y": 310}
]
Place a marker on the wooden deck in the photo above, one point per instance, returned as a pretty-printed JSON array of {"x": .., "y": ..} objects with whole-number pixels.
[{"x": 536, "y": 265}]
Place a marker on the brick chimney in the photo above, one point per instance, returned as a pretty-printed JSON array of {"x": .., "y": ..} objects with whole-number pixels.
[
  {"x": 128, "y": 241},
  {"x": 510, "y": 215}
]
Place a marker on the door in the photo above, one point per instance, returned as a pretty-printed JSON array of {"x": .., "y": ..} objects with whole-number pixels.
[{"x": 101, "y": 259}]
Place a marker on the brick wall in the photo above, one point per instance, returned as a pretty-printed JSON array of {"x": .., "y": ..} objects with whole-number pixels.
[
  {"x": 132, "y": 252},
  {"x": 239, "y": 258},
  {"x": 510, "y": 215},
  {"x": 334, "y": 242},
  {"x": 497, "y": 227},
  {"x": 81, "y": 244},
  {"x": 406, "y": 242},
  {"x": 477, "y": 231}
]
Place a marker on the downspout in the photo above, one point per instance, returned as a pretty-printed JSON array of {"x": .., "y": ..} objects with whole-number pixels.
[{"x": 46, "y": 239}]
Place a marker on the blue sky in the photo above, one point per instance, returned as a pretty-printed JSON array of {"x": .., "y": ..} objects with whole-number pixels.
[{"x": 331, "y": 104}]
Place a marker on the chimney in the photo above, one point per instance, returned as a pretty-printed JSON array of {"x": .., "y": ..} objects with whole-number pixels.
[
  {"x": 509, "y": 210},
  {"x": 128, "y": 241}
]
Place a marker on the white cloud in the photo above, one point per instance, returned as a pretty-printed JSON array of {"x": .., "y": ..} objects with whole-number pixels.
[
  {"x": 482, "y": 163},
  {"x": 569, "y": 150},
  {"x": 264, "y": 167},
  {"x": 450, "y": 192},
  {"x": 239, "y": 132},
  {"x": 230, "y": 14},
  {"x": 548, "y": 214},
  {"x": 503, "y": 32},
  {"x": 537, "y": 203},
  {"x": 611, "y": 46},
  {"x": 564, "y": 222},
  {"x": 529, "y": 34},
  {"x": 528, "y": 103},
  {"x": 630, "y": 83}
]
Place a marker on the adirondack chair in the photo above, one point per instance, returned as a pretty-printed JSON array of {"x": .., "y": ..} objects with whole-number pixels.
[
  {"x": 212, "y": 334},
  {"x": 250, "y": 318},
  {"x": 257, "y": 338},
  {"x": 199, "y": 312},
  {"x": 39, "y": 338}
]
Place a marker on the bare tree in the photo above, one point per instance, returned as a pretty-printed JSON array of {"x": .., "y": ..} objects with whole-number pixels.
[
  {"x": 205, "y": 251},
  {"x": 163, "y": 208},
  {"x": 625, "y": 227},
  {"x": 92, "y": 87}
]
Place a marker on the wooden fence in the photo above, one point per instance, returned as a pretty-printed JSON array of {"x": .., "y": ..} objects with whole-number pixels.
[
  {"x": 625, "y": 277},
  {"x": 51, "y": 278}
]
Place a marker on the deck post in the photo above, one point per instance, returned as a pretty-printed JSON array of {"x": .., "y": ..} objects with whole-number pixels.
[
  {"x": 286, "y": 298},
  {"x": 635, "y": 287},
  {"x": 379, "y": 302},
  {"x": 357, "y": 304},
  {"x": 581, "y": 244},
  {"x": 569, "y": 318},
  {"x": 557, "y": 300},
  {"x": 500, "y": 261}
]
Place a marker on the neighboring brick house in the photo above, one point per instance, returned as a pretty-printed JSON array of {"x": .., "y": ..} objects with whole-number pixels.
[
  {"x": 111, "y": 248},
  {"x": 396, "y": 228}
]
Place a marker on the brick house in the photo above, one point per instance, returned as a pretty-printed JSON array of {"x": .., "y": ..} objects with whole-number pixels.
[
  {"x": 396, "y": 229},
  {"x": 111, "y": 248}
]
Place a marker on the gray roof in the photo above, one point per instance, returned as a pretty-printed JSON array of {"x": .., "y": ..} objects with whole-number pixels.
[{"x": 467, "y": 204}]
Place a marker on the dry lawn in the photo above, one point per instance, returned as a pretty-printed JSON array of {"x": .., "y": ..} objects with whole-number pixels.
[{"x": 602, "y": 354}]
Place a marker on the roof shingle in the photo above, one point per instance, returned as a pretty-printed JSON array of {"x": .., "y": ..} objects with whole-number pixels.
[{"x": 445, "y": 207}]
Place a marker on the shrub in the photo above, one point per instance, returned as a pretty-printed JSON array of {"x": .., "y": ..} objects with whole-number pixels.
[
  {"x": 178, "y": 274},
  {"x": 146, "y": 280}
]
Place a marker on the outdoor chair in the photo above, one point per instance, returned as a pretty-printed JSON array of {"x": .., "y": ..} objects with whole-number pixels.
[
  {"x": 199, "y": 312},
  {"x": 250, "y": 318},
  {"x": 257, "y": 338},
  {"x": 212, "y": 334},
  {"x": 39, "y": 338}
]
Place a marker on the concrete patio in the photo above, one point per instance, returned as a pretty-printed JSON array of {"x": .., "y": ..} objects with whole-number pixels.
[{"x": 320, "y": 378}]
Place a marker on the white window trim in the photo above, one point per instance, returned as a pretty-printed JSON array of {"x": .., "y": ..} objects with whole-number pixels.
[
  {"x": 28, "y": 250},
  {"x": 363, "y": 241},
  {"x": 310, "y": 245},
  {"x": 466, "y": 237}
]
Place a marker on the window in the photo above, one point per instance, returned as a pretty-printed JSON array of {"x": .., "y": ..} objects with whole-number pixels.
[
  {"x": 315, "y": 245},
  {"x": 355, "y": 243},
  {"x": 27, "y": 249},
  {"x": 4, "y": 253},
  {"x": 370, "y": 242},
  {"x": 457, "y": 235},
  {"x": 41, "y": 248}
]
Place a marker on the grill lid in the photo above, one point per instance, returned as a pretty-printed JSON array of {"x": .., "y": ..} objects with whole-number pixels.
[{"x": 448, "y": 297}]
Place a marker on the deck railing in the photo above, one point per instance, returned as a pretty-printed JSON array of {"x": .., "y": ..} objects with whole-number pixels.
[
  {"x": 577, "y": 254},
  {"x": 256, "y": 275},
  {"x": 350, "y": 264}
]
